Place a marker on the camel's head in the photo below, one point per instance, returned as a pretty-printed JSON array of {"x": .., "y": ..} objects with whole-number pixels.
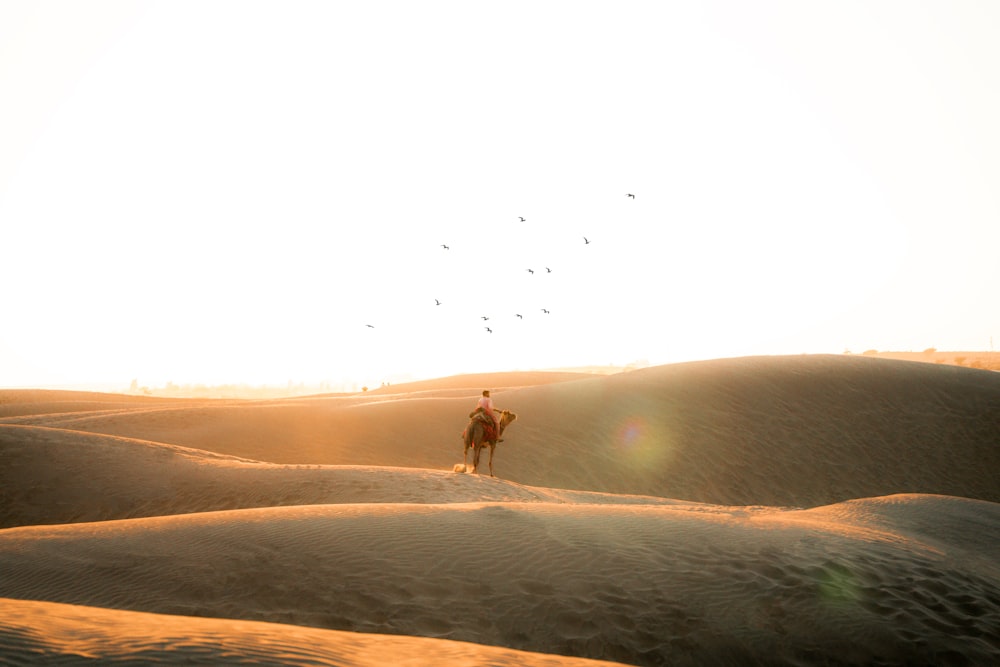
[{"x": 506, "y": 417}]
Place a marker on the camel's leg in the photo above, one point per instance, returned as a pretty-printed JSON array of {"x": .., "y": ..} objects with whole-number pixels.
[
  {"x": 477, "y": 450},
  {"x": 492, "y": 447}
]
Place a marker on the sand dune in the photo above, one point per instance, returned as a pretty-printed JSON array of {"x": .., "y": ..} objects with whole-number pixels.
[
  {"x": 51, "y": 476},
  {"x": 791, "y": 431},
  {"x": 50, "y": 402},
  {"x": 44, "y": 632},
  {"x": 846, "y": 514},
  {"x": 632, "y": 583}
]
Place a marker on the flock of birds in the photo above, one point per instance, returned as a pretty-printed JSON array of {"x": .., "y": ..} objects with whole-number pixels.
[{"x": 485, "y": 318}]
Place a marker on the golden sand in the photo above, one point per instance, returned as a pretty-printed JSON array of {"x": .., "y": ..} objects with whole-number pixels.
[{"x": 796, "y": 510}]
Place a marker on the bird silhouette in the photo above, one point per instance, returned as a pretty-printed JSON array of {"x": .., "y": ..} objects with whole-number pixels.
[
  {"x": 436, "y": 302},
  {"x": 630, "y": 195},
  {"x": 519, "y": 316},
  {"x": 548, "y": 270},
  {"x": 485, "y": 318},
  {"x": 522, "y": 219},
  {"x": 531, "y": 272},
  {"x": 489, "y": 330},
  {"x": 545, "y": 311},
  {"x": 585, "y": 240},
  {"x": 370, "y": 326},
  {"x": 445, "y": 247}
]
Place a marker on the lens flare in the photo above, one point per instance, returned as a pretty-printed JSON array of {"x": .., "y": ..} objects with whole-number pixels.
[
  {"x": 838, "y": 584},
  {"x": 641, "y": 444},
  {"x": 630, "y": 434}
]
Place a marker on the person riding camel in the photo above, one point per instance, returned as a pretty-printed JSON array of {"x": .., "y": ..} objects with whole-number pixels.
[{"x": 485, "y": 405}]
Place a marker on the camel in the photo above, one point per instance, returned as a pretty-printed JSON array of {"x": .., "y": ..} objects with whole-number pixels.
[{"x": 473, "y": 434}]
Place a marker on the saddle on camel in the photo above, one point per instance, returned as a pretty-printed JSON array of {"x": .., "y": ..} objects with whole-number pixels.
[{"x": 490, "y": 431}]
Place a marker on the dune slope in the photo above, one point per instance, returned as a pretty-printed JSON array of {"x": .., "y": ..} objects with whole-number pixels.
[
  {"x": 52, "y": 476},
  {"x": 139, "y": 530},
  {"x": 790, "y": 431},
  {"x": 36, "y": 632},
  {"x": 643, "y": 585}
]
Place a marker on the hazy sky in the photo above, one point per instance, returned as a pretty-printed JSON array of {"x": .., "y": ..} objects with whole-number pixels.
[{"x": 233, "y": 191}]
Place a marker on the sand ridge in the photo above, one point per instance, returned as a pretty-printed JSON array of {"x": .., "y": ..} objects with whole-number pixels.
[
  {"x": 76, "y": 635},
  {"x": 52, "y": 476}
]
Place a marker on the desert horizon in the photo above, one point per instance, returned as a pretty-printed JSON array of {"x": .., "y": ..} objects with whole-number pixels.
[
  {"x": 807, "y": 509},
  {"x": 981, "y": 359}
]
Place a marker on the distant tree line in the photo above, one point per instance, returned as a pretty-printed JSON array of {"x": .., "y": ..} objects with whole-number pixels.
[
  {"x": 989, "y": 361},
  {"x": 172, "y": 390}
]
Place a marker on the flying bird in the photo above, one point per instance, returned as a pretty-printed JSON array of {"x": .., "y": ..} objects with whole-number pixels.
[
  {"x": 489, "y": 330},
  {"x": 630, "y": 195},
  {"x": 522, "y": 219},
  {"x": 370, "y": 326},
  {"x": 585, "y": 240},
  {"x": 545, "y": 311},
  {"x": 485, "y": 318},
  {"x": 548, "y": 270},
  {"x": 531, "y": 272},
  {"x": 436, "y": 302},
  {"x": 519, "y": 316},
  {"x": 445, "y": 247}
]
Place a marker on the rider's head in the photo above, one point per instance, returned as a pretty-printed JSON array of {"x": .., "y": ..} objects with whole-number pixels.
[{"x": 486, "y": 392}]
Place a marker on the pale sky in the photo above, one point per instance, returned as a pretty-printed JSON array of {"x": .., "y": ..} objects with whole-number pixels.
[{"x": 225, "y": 192}]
